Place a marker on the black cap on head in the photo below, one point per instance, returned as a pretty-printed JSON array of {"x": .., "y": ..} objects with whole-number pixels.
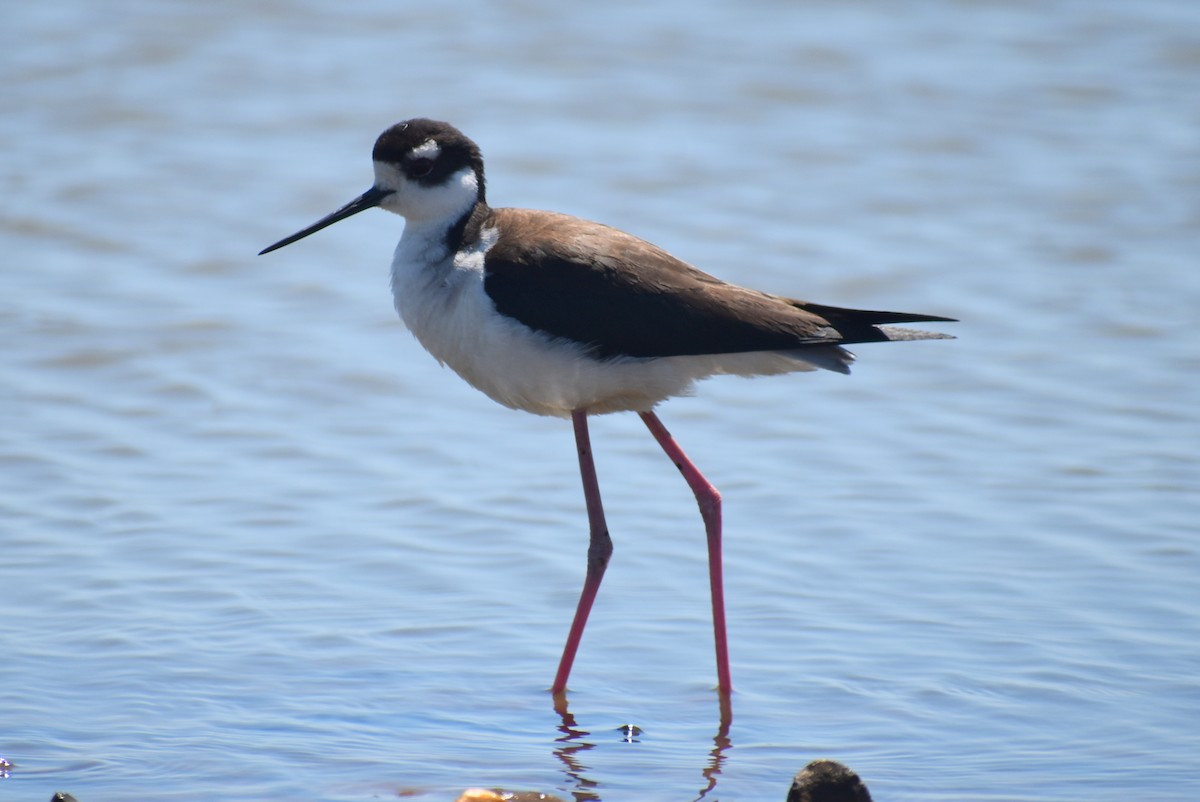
[{"x": 407, "y": 146}]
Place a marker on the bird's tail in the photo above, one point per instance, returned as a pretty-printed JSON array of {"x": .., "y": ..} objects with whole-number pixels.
[{"x": 868, "y": 326}]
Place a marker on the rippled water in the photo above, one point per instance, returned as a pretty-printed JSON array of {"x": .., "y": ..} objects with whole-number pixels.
[{"x": 256, "y": 545}]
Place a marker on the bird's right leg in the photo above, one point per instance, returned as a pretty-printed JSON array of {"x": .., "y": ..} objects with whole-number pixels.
[{"x": 599, "y": 549}]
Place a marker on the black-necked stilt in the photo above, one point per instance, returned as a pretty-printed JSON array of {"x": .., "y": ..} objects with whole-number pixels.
[{"x": 554, "y": 315}]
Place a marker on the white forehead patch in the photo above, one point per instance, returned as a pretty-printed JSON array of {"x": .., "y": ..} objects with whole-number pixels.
[{"x": 429, "y": 149}]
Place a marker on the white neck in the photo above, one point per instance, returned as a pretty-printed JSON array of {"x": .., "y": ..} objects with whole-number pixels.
[{"x": 423, "y": 243}]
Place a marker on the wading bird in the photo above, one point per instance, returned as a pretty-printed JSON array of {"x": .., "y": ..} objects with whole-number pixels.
[{"x": 555, "y": 315}]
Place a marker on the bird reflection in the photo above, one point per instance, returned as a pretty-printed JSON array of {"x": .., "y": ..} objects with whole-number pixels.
[
  {"x": 716, "y": 756},
  {"x": 571, "y": 744}
]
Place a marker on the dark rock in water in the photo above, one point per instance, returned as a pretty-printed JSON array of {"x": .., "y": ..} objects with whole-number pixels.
[
  {"x": 827, "y": 781},
  {"x": 62, "y": 796}
]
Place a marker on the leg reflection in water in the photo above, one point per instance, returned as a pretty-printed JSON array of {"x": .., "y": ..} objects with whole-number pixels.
[{"x": 571, "y": 744}]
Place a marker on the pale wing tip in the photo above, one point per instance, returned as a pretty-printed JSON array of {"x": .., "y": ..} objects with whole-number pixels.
[{"x": 899, "y": 333}]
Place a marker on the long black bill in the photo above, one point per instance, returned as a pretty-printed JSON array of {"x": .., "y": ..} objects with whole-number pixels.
[{"x": 368, "y": 200}]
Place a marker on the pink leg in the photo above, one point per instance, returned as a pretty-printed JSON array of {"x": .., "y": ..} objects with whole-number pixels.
[
  {"x": 710, "y": 510},
  {"x": 599, "y": 549}
]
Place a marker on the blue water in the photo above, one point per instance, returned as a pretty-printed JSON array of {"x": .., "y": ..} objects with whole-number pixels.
[{"x": 256, "y": 545}]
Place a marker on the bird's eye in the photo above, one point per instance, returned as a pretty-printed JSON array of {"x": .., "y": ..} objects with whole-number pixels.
[{"x": 419, "y": 167}]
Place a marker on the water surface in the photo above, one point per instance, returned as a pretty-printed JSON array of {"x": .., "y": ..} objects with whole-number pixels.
[{"x": 256, "y": 545}]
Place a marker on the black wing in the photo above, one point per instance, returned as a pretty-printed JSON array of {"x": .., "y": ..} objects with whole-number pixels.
[{"x": 621, "y": 296}]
